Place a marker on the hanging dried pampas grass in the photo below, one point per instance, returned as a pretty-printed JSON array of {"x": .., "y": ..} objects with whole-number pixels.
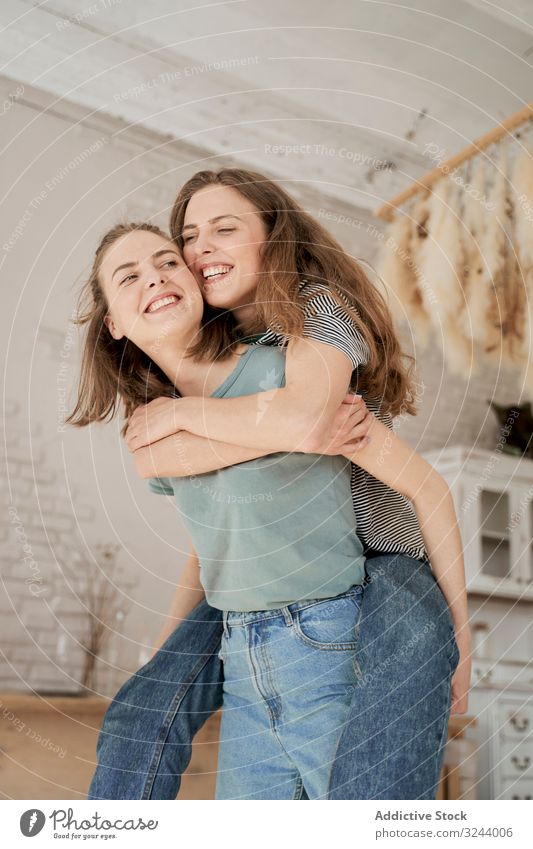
[
  {"x": 466, "y": 270},
  {"x": 509, "y": 292},
  {"x": 522, "y": 195},
  {"x": 491, "y": 304},
  {"x": 419, "y": 234},
  {"x": 515, "y": 319},
  {"x": 440, "y": 259},
  {"x": 473, "y": 319},
  {"x": 398, "y": 270}
]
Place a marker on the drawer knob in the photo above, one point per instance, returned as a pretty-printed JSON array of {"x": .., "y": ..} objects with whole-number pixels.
[
  {"x": 521, "y": 763},
  {"x": 483, "y": 675},
  {"x": 519, "y": 723}
]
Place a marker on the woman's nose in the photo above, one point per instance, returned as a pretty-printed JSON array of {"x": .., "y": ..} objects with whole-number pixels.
[
  {"x": 203, "y": 244},
  {"x": 154, "y": 279}
]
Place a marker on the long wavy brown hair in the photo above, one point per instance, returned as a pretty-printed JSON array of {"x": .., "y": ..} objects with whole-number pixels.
[
  {"x": 298, "y": 247},
  {"x": 116, "y": 369}
]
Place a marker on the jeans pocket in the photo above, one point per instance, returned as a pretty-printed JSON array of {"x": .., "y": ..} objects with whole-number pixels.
[{"x": 331, "y": 624}]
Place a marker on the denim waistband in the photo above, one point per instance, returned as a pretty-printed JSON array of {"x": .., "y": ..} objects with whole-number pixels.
[
  {"x": 373, "y": 552},
  {"x": 246, "y": 617}
]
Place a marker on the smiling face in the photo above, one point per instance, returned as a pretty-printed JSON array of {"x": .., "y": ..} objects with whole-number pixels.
[
  {"x": 222, "y": 237},
  {"x": 152, "y": 295}
]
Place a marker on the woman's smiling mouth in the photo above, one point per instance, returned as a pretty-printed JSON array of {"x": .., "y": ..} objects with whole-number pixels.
[
  {"x": 162, "y": 303},
  {"x": 215, "y": 273}
]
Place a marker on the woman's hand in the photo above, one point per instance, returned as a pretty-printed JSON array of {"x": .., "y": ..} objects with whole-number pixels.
[
  {"x": 152, "y": 422},
  {"x": 461, "y": 678},
  {"x": 349, "y": 431}
]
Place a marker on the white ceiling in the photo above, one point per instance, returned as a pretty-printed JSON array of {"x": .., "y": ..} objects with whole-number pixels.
[{"x": 366, "y": 80}]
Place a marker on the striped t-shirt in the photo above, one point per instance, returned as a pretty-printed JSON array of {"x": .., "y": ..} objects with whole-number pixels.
[{"x": 386, "y": 520}]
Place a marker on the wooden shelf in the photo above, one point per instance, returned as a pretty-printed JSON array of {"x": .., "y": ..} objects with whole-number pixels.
[
  {"x": 29, "y": 770},
  {"x": 44, "y": 702}
]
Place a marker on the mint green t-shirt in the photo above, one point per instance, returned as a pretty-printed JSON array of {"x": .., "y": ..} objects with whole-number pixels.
[{"x": 275, "y": 530}]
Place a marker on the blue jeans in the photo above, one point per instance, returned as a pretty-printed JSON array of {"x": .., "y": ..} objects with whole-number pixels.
[
  {"x": 392, "y": 744},
  {"x": 288, "y": 684}
]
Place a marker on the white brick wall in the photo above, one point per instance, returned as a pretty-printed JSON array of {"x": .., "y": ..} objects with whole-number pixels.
[{"x": 43, "y": 622}]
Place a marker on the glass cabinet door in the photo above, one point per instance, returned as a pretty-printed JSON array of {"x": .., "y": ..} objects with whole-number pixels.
[
  {"x": 527, "y": 568},
  {"x": 522, "y": 538},
  {"x": 496, "y": 520},
  {"x": 495, "y": 535},
  {"x": 505, "y": 542}
]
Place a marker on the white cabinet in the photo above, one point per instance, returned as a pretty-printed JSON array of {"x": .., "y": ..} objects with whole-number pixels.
[
  {"x": 513, "y": 748},
  {"x": 493, "y": 496},
  {"x": 504, "y": 738}
]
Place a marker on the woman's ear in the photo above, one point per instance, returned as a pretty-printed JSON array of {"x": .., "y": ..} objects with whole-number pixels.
[{"x": 112, "y": 327}]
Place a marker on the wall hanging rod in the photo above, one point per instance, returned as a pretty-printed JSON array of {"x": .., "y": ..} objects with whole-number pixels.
[{"x": 386, "y": 211}]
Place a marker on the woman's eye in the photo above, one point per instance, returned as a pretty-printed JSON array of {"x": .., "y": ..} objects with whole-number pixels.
[
  {"x": 129, "y": 277},
  {"x": 226, "y": 230},
  {"x": 170, "y": 262},
  {"x": 186, "y": 239}
]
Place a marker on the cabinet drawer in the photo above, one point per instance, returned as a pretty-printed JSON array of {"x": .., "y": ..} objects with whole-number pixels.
[
  {"x": 521, "y": 789},
  {"x": 515, "y": 720},
  {"x": 516, "y": 760}
]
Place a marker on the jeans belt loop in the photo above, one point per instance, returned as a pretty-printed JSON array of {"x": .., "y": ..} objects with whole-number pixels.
[
  {"x": 225, "y": 623},
  {"x": 287, "y": 615}
]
